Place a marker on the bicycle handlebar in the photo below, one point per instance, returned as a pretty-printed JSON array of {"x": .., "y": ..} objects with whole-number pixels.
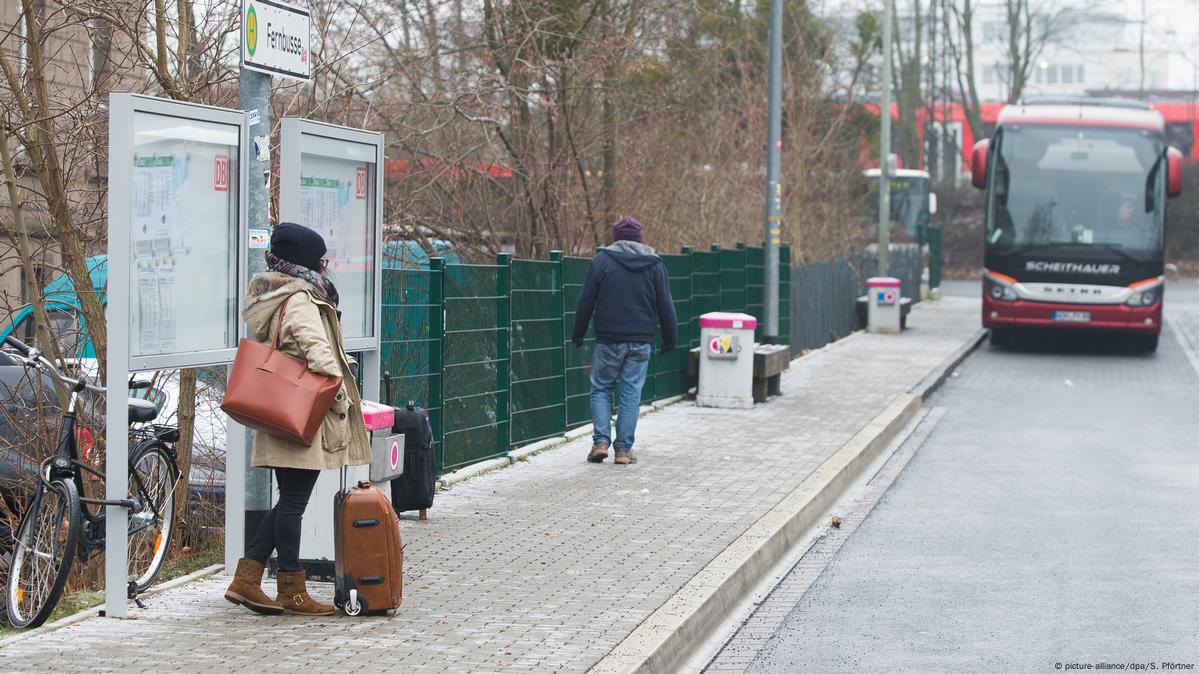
[
  {"x": 17, "y": 344},
  {"x": 34, "y": 358}
]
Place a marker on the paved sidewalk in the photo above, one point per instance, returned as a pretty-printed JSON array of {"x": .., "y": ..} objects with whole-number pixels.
[{"x": 549, "y": 564}]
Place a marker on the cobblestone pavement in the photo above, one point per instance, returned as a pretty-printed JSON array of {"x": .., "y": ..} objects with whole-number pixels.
[{"x": 547, "y": 565}]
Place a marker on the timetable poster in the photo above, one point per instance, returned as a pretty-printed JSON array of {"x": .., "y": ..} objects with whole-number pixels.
[
  {"x": 337, "y": 200},
  {"x": 183, "y": 258}
]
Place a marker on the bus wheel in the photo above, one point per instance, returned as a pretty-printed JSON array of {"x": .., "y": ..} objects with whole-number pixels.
[
  {"x": 1147, "y": 343},
  {"x": 1000, "y": 337}
]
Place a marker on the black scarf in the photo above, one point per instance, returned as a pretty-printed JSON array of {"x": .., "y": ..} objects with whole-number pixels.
[{"x": 321, "y": 284}]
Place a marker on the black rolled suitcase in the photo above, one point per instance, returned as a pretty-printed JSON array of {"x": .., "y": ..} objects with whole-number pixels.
[{"x": 413, "y": 490}]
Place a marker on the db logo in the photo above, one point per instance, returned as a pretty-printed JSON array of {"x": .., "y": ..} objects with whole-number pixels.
[
  {"x": 220, "y": 173},
  {"x": 360, "y": 183}
]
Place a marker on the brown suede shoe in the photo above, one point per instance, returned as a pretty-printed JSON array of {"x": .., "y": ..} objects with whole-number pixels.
[
  {"x": 294, "y": 597},
  {"x": 246, "y": 589},
  {"x": 599, "y": 452},
  {"x": 624, "y": 458}
]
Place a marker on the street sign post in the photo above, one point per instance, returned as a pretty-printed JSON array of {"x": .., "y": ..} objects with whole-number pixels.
[{"x": 275, "y": 38}]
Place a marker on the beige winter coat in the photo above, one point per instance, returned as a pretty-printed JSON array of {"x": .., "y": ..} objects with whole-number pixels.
[{"x": 312, "y": 333}]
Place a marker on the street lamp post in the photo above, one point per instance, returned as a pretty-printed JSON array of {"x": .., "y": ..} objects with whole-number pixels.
[
  {"x": 884, "y": 173},
  {"x": 774, "y": 188}
]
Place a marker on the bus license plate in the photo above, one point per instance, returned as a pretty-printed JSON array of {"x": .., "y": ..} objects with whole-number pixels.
[{"x": 1072, "y": 316}]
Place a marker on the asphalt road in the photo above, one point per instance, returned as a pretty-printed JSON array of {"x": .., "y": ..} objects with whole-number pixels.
[{"x": 1051, "y": 517}]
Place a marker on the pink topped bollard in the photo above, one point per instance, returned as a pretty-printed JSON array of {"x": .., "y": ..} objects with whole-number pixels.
[
  {"x": 883, "y": 304},
  {"x": 726, "y": 360}
]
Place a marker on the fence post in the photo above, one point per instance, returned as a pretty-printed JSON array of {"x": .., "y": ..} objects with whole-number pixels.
[
  {"x": 437, "y": 356},
  {"x": 784, "y": 310},
  {"x": 558, "y": 280},
  {"x": 503, "y": 352},
  {"x": 686, "y": 250},
  {"x": 934, "y": 261}
]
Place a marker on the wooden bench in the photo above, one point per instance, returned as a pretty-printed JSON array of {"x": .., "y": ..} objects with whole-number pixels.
[
  {"x": 905, "y": 306},
  {"x": 769, "y": 362}
]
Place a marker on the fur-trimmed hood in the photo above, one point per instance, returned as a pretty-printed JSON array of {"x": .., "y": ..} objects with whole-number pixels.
[{"x": 265, "y": 294}]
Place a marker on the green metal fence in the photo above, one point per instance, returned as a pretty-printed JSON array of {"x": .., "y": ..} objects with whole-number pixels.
[
  {"x": 486, "y": 348},
  {"x": 670, "y": 371},
  {"x": 577, "y": 359},
  {"x": 538, "y": 350},
  {"x": 413, "y": 314},
  {"x": 823, "y": 295},
  {"x": 476, "y": 385}
]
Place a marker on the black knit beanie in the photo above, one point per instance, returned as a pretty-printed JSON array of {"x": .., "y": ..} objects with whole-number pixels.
[{"x": 298, "y": 244}]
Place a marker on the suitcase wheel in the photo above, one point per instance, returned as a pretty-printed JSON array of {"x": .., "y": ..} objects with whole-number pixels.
[{"x": 353, "y": 605}]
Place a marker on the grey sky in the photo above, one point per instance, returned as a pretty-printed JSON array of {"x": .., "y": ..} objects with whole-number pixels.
[{"x": 1172, "y": 25}]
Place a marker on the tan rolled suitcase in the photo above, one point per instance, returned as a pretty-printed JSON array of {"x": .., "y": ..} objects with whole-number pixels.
[{"x": 368, "y": 557}]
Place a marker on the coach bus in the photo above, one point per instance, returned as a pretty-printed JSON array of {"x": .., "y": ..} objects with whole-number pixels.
[{"x": 1075, "y": 215}]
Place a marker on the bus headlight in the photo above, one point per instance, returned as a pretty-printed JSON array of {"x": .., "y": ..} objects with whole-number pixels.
[
  {"x": 1144, "y": 298},
  {"x": 1147, "y": 293},
  {"x": 1000, "y": 291}
]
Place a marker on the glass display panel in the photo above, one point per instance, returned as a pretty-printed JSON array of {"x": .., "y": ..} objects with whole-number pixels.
[
  {"x": 337, "y": 199},
  {"x": 184, "y": 209}
]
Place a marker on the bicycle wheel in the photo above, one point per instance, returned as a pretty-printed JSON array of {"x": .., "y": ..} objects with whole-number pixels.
[
  {"x": 45, "y": 548},
  {"x": 152, "y": 482}
]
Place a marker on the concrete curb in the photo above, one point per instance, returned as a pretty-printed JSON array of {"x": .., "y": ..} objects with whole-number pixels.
[
  {"x": 938, "y": 376},
  {"x": 528, "y": 451},
  {"x": 684, "y": 623},
  {"x": 96, "y": 610}
]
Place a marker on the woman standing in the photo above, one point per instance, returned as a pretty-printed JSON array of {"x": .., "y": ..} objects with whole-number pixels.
[{"x": 297, "y": 285}]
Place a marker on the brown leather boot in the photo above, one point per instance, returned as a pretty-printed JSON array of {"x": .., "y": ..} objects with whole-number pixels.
[
  {"x": 599, "y": 452},
  {"x": 294, "y": 597},
  {"x": 246, "y": 589}
]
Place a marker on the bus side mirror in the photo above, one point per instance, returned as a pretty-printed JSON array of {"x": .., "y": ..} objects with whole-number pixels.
[
  {"x": 1173, "y": 172},
  {"x": 932, "y": 203},
  {"x": 978, "y": 164}
]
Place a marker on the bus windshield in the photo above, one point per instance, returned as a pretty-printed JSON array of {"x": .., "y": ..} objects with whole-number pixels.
[
  {"x": 1083, "y": 186},
  {"x": 909, "y": 201}
]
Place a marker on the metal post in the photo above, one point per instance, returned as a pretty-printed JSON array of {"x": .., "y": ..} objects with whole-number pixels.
[
  {"x": 884, "y": 173},
  {"x": 255, "y": 97},
  {"x": 774, "y": 188},
  {"x": 559, "y": 278},
  {"x": 437, "y": 322},
  {"x": 116, "y": 475},
  {"x": 503, "y": 352}
]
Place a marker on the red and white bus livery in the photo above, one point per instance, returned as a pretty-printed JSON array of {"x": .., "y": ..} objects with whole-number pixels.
[{"x": 1075, "y": 217}]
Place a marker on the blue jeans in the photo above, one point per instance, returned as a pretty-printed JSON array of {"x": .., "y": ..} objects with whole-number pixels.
[{"x": 629, "y": 364}]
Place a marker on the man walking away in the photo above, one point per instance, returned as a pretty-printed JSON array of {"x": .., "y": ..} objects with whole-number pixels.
[{"x": 628, "y": 290}]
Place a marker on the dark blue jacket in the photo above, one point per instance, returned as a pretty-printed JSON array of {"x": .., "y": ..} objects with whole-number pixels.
[{"x": 629, "y": 291}]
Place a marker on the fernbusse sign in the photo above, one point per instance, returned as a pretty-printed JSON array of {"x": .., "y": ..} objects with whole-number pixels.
[{"x": 274, "y": 38}]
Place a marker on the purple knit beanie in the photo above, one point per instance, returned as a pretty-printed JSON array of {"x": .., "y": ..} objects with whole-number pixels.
[{"x": 626, "y": 229}]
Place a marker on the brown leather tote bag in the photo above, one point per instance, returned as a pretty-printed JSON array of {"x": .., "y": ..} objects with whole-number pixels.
[{"x": 274, "y": 393}]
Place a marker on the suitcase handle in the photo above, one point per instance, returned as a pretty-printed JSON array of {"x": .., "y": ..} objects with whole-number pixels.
[
  {"x": 366, "y": 522},
  {"x": 370, "y": 580}
]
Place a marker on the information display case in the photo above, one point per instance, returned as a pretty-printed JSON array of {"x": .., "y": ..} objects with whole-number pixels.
[{"x": 176, "y": 220}]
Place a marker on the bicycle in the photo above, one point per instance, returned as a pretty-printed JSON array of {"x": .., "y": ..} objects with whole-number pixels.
[{"x": 62, "y": 523}]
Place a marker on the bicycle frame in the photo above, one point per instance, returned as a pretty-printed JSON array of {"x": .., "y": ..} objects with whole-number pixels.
[{"x": 66, "y": 463}]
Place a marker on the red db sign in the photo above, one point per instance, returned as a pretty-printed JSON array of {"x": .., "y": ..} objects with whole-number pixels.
[
  {"x": 360, "y": 183},
  {"x": 220, "y": 173}
]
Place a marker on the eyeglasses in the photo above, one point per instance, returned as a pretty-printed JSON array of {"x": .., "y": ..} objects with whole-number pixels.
[{"x": 324, "y": 262}]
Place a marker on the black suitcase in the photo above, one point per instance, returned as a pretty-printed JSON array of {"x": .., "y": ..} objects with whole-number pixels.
[{"x": 413, "y": 490}]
